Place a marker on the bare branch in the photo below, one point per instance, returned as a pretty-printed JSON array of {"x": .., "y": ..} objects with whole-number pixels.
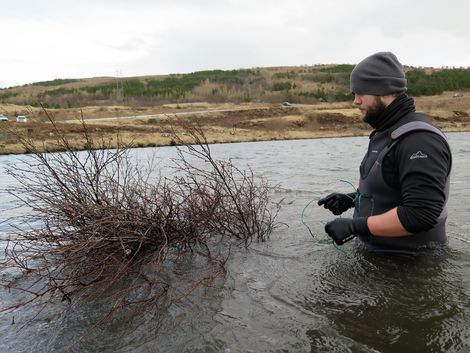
[{"x": 99, "y": 229}]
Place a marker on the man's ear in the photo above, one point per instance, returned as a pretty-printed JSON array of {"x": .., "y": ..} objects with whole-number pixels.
[{"x": 387, "y": 99}]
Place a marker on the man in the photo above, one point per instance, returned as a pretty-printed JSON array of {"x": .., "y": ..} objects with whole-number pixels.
[{"x": 400, "y": 204}]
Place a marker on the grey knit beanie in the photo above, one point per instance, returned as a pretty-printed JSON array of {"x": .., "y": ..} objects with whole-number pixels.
[{"x": 379, "y": 74}]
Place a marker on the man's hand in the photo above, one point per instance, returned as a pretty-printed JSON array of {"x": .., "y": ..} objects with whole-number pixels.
[
  {"x": 343, "y": 230},
  {"x": 337, "y": 203}
]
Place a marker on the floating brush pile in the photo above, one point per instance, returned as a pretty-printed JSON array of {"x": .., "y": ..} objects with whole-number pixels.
[{"x": 103, "y": 228}]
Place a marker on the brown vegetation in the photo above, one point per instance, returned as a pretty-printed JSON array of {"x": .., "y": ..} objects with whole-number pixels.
[
  {"x": 151, "y": 126},
  {"x": 114, "y": 232}
]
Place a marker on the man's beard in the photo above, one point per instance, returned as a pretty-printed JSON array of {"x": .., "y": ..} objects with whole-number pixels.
[{"x": 374, "y": 112}]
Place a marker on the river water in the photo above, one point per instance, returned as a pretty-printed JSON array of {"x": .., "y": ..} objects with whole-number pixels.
[{"x": 295, "y": 292}]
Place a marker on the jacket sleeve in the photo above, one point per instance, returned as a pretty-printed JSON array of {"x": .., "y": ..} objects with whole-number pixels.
[{"x": 423, "y": 161}]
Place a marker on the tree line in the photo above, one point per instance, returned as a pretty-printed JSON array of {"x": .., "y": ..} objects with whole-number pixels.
[{"x": 298, "y": 85}]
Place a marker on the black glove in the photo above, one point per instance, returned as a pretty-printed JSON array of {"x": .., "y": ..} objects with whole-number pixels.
[
  {"x": 343, "y": 230},
  {"x": 337, "y": 203}
]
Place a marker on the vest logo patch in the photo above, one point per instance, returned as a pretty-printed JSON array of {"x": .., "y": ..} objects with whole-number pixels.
[{"x": 418, "y": 154}]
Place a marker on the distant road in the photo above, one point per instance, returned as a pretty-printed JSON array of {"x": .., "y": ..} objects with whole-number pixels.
[{"x": 160, "y": 115}]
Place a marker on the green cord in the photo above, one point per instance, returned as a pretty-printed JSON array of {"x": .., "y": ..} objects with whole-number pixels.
[
  {"x": 310, "y": 231},
  {"x": 348, "y": 182},
  {"x": 334, "y": 244},
  {"x": 302, "y": 219},
  {"x": 357, "y": 202},
  {"x": 338, "y": 248},
  {"x": 357, "y": 196}
]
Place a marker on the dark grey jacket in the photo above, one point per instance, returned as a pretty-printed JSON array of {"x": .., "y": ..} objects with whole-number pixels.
[{"x": 380, "y": 193}]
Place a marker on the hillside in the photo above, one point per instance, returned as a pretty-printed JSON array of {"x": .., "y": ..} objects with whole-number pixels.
[
  {"x": 231, "y": 106},
  {"x": 301, "y": 85},
  {"x": 227, "y": 122}
]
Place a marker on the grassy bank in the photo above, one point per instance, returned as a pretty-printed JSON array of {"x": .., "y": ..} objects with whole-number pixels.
[{"x": 222, "y": 123}]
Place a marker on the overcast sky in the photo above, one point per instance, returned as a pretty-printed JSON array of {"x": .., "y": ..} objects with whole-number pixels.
[{"x": 44, "y": 40}]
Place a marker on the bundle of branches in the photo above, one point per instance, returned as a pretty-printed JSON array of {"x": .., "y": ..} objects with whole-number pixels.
[
  {"x": 105, "y": 228},
  {"x": 223, "y": 199}
]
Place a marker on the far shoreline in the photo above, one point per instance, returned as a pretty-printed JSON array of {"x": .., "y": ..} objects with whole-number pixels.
[
  {"x": 325, "y": 134},
  {"x": 143, "y": 127}
]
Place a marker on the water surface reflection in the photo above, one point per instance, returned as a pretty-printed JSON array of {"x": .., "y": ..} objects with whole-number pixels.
[{"x": 294, "y": 293}]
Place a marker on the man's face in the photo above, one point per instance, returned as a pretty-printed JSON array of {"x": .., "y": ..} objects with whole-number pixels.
[{"x": 369, "y": 105}]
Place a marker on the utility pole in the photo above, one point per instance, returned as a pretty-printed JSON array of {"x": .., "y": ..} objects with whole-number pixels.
[{"x": 119, "y": 90}]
